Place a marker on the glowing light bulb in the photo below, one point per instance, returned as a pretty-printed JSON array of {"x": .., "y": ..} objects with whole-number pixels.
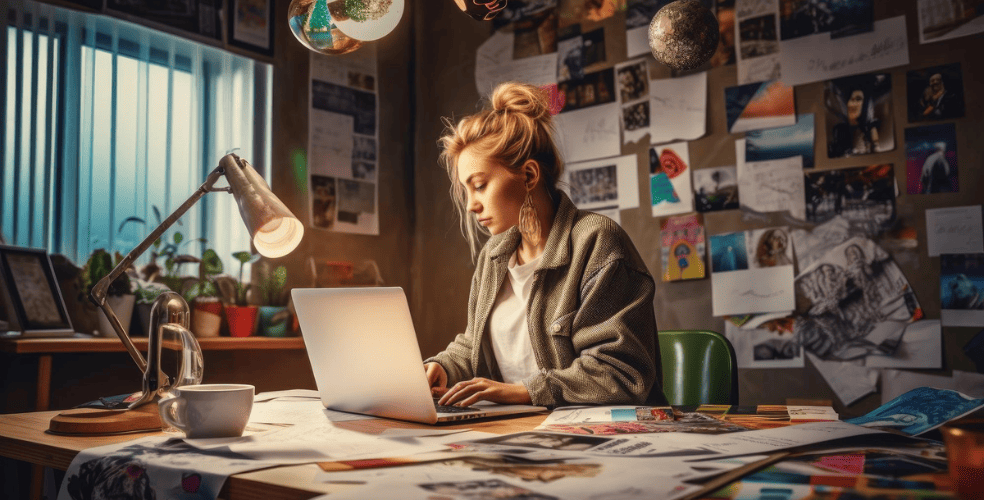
[
  {"x": 366, "y": 20},
  {"x": 312, "y": 24}
]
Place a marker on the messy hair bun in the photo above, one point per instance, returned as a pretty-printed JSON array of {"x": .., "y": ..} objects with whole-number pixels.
[{"x": 515, "y": 128}]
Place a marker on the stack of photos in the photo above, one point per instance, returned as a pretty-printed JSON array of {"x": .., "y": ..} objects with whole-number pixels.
[
  {"x": 633, "y": 96},
  {"x": 853, "y": 302}
]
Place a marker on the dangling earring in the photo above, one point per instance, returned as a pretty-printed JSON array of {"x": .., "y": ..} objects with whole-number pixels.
[{"x": 529, "y": 224}]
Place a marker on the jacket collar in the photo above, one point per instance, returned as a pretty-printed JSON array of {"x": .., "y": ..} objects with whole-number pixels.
[{"x": 558, "y": 249}]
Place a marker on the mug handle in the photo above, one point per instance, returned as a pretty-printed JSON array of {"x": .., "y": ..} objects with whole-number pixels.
[
  {"x": 192, "y": 366},
  {"x": 166, "y": 410}
]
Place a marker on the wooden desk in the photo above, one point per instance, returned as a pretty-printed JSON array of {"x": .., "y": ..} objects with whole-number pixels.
[
  {"x": 23, "y": 437},
  {"x": 46, "y": 347}
]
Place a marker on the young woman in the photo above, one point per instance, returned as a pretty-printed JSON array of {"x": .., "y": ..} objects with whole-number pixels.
[{"x": 561, "y": 303}]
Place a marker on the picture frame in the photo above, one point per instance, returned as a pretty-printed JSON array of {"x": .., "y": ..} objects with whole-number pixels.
[
  {"x": 30, "y": 293},
  {"x": 251, "y": 25}
]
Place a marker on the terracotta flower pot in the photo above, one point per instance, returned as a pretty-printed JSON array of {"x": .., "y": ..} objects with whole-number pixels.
[{"x": 242, "y": 320}]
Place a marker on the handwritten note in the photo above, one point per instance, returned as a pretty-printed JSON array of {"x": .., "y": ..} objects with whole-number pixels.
[
  {"x": 954, "y": 230},
  {"x": 757, "y": 50},
  {"x": 816, "y": 58},
  {"x": 771, "y": 186},
  {"x": 589, "y": 133},
  {"x": 678, "y": 108},
  {"x": 752, "y": 291},
  {"x": 331, "y": 144}
]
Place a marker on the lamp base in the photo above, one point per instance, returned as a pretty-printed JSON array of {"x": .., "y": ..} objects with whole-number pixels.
[{"x": 91, "y": 421}]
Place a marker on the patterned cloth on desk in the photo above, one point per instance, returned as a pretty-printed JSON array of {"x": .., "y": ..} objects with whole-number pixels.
[{"x": 150, "y": 468}]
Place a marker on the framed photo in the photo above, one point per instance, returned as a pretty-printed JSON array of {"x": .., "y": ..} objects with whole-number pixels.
[
  {"x": 30, "y": 293},
  {"x": 251, "y": 25}
]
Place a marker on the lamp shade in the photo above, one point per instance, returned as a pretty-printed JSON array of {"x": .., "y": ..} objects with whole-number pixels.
[{"x": 274, "y": 229}]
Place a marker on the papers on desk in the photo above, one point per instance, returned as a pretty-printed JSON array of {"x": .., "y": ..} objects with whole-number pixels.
[
  {"x": 156, "y": 463},
  {"x": 281, "y": 411},
  {"x": 920, "y": 410}
]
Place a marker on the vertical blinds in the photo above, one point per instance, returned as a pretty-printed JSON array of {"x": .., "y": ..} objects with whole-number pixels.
[{"x": 105, "y": 120}]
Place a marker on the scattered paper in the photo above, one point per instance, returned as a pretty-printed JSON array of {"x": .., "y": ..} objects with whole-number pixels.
[
  {"x": 752, "y": 272},
  {"x": 156, "y": 464},
  {"x": 678, "y": 108},
  {"x": 607, "y": 183},
  {"x": 962, "y": 289},
  {"x": 589, "y": 133},
  {"x": 298, "y": 412},
  {"x": 849, "y": 380},
  {"x": 595, "y": 414},
  {"x": 922, "y": 347},
  {"x": 782, "y": 438},
  {"x": 919, "y": 410},
  {"x": 669, "y": 179},
  {"x": 810, "y": 246},
  {"x": 954, "y": 230},
  {"x": 290, "y": 393},
  {"x": 816, "y": 58},
  {"x": 763, "y": 348},
  {"x": 771, "y": 186},
  {"x": 494, "y": 64}
]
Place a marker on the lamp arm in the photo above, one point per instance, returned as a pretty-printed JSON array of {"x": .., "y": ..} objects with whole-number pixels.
[{"x": 101, "y": 289}]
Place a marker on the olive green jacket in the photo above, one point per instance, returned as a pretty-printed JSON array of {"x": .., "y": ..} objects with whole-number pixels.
[{"x": 590, "y": 315}]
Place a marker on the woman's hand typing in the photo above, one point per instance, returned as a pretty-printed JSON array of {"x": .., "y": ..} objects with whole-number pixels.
[{"x": 472, "y": 391}]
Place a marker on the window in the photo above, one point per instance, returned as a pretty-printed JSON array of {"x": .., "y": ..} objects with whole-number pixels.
[{"x": 105, "y": 120}]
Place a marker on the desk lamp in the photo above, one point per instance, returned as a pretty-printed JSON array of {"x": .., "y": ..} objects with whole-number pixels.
[{"x": 275, "y": 232}]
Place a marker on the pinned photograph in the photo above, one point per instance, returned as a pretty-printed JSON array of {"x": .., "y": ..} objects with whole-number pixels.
[
  {"x": 725, "y": 53},
  {"x": 854, "y": 302},
  {"x": 633, "y": 81},
  {"x": 593, "y": 51},
  {"x": 931, "y": 159},
  {"x": 764, "y": 347},
  {"x": 635, "y": 117},
  {"x": 669, "y": 179},
  {"x": 356, "y": 201},
  {"x": 682, "y": 244},
  {"x": 728, "y": 252},
  {"x": 809, "y": 17},
  {"x": 773, "y": 247},
  {"x": 757, "y": 36},
  {"x": 363, "y": 148},
  {"x": 716, "y": 188},
  {"x": 946, "y": 19},
  {"x": 594, "y": 186},
  {"x": 859, "y": 115},
  {"x": 759, "y": 105},
  {"x": 594, "y": 89},
  {"x": 935, "y": 93},
  {"x": 535, "y": 35},
  {"x": 864, "y": 196},
  {"x": 323, "y": 202},
  {"x": 570, "y": 63},
  {"x": 638, "y": 15},
  {"x": 782, "y": 142},
  {"x": 962, "y": 289}
]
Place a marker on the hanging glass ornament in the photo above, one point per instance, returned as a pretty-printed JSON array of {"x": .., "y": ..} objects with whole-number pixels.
[{"x": 311, "y": 23}]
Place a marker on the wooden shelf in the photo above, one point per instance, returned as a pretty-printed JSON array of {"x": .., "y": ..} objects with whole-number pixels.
[{"x": 107, "y": 344}]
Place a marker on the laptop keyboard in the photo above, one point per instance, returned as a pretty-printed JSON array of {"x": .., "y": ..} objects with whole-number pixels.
[{"x": 452, "y": 409}]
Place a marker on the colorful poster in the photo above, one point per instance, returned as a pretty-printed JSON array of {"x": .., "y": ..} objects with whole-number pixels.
[
  {"x": 682, "y": 242},
  {"x": 669, "y": 179},
  {"x": 931, "y": 159},
  {"x": 759, "y": 105}
]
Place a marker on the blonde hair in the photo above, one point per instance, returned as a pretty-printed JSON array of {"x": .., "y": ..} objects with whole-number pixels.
[{"x": 515, "y": 128}]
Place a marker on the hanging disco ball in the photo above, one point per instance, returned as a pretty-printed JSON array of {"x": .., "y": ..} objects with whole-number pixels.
[{"x": 684, "y": 34}]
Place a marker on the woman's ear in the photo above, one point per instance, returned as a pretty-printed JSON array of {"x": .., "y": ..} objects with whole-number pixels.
[{"x": 531, "y": 173}]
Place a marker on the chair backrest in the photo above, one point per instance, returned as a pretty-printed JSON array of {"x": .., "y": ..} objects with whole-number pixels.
[{"x": 699, "y": 367}]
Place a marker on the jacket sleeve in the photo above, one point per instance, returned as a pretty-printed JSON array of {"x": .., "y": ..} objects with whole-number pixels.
[{"x": 613, "y": 333}]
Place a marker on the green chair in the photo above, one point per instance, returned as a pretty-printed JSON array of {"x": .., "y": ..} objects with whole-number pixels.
[{"x": 699, "y": 367}]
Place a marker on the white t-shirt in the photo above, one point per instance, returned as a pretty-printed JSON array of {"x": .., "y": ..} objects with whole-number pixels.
[{"x": 508, "y": 329}]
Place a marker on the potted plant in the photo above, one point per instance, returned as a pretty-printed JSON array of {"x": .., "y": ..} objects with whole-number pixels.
[
  {"x": 274, "y": 316},
  {"x": 146, "y": 293},
  {"x": 241, "y": 315},
  {"x": 119, "y": 295},
  {"x": 203, "y": 295}
]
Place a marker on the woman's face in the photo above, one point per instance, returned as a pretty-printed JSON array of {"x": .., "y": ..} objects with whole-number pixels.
[
  {"x": 854, "y": 105},
  {"x": 493, "y": 192}
]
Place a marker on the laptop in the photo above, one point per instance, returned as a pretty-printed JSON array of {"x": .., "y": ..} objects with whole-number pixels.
[{"x": 365, "y": 356}]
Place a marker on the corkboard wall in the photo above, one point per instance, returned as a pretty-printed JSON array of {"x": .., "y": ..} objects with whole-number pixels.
[{"x": 445, "y": 44}]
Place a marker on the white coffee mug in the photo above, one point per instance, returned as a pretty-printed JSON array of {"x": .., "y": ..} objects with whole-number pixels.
[{"x": 209, "y": 410}]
